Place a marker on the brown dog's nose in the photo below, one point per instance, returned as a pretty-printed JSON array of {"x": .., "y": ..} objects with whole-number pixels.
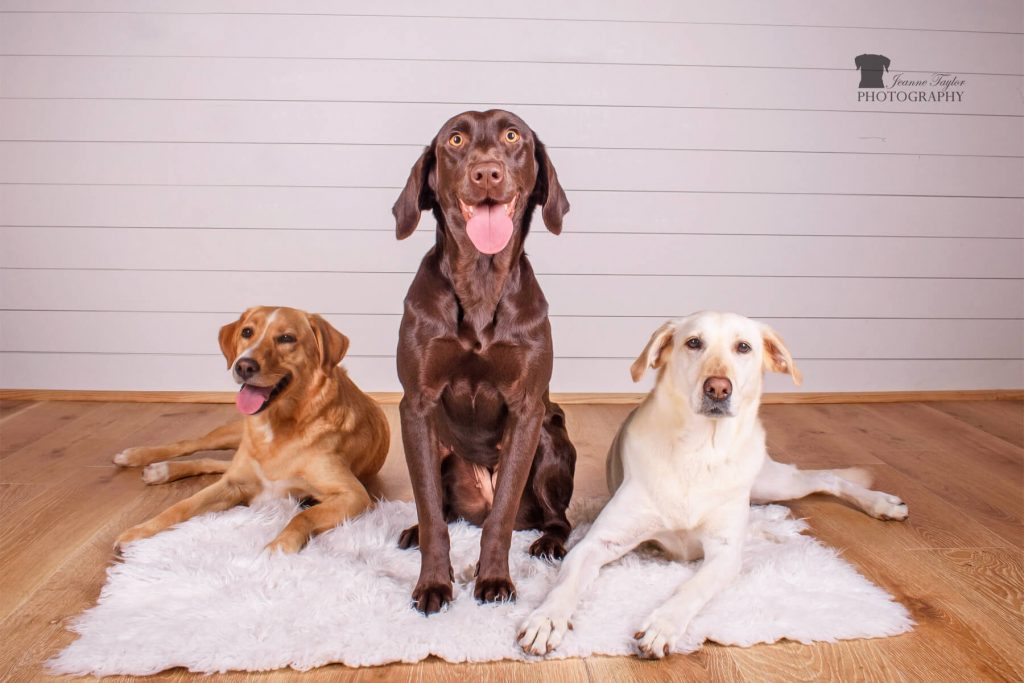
[
  {"x": 487, "y": 174},
  {"x": 246, "y": 368},
  {"x": 717, "y": 388}
]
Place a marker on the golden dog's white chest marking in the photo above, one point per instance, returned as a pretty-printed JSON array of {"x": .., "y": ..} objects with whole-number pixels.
[
  {"x": 266, "y": 430},
  {"x": 271, "y": 489}
]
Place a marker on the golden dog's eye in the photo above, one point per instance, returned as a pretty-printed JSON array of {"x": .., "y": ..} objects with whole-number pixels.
[
  {"x": 456, "y": 140},
  {"x": 286, "y": 339},
  {"x": 512, "y": 135},
  {"x": 743, "y": 347},
  {"x": 246, "y": 332},
  {"x": 694, "y": 343}
]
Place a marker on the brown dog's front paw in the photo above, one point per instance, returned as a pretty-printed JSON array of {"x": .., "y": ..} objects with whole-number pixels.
[
  {"x": 431, "y": 596},
  {"x": 548, "y": 547},
  {"x": 496, "y": 589},
  {"x": 410, "y": 538}
]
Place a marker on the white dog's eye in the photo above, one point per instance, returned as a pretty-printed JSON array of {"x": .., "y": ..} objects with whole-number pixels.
[
  {"x": 743, "y": 347},
  {"x": 694, "y": 343}
]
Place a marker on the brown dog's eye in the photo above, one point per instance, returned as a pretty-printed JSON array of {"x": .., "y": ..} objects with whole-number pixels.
[
  {"x": 246, "y": 332},
  {"x": 694, "y": 343},
  {"x": 512, "y": 135},
  {"x": 286, "y": 339},
  {"x": 743, "y": 347},
  {"x": 456, "y": 140}
]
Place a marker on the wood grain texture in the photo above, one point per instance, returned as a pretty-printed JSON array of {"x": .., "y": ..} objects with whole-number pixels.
[
  {"x": 390, "y": 398},
  {"x": 954, "y": 563}
]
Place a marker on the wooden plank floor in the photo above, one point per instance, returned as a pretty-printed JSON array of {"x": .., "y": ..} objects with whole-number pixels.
[{"x": 957, "y": 563}]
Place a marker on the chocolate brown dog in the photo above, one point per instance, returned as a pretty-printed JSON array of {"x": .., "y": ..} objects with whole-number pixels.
[{"x": 482, "y": 440}]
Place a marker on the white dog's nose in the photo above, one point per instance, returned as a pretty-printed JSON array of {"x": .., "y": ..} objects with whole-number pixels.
[{"x": 717, "y": 388}]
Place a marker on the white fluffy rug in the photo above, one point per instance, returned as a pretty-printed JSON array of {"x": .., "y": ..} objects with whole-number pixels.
[{"x": 204, "y": 596}]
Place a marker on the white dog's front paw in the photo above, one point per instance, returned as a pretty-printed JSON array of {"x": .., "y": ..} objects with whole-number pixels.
[
  {"x": 155, "y": 473},
  {"x": 657, "y": 636},
  {"x": 888, "y": 506},
  {"x": 541, "y": 633}
]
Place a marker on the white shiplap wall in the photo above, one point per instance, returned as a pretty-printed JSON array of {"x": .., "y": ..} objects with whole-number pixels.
[{"x": 166, "y": 163}]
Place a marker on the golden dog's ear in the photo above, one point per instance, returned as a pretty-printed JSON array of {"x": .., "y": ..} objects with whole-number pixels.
[
  {"x": 418, "y": 194},
  {"x": 777, "y": 357},
  {"x": 227, "y": 337},
  {"x": 547, "y": 191},
  {"x": 653, "y": 354},
  {"x": 331, "y": 343}
]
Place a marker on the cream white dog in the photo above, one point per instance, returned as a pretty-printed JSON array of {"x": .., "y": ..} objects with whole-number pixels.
[{"x": 683, "y": 470}]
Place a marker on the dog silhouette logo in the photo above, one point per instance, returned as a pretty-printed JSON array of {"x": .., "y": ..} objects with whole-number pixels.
[{"x": 871, "y": 68}]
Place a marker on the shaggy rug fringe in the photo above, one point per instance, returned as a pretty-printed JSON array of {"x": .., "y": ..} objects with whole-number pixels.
[{"x": 205, "y": 596}]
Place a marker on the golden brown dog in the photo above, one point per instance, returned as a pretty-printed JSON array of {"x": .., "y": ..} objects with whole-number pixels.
[{"x": 309, "y": 431}]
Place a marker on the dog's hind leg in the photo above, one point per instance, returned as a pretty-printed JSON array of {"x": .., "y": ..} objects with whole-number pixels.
[
  {"x": 350, "y": 500},
  {"x": 778, "y": 482},
  {"x": 164, "y": 472},
  {"x": 549, "y": 489},
  {"x": 222, "y": 438}
]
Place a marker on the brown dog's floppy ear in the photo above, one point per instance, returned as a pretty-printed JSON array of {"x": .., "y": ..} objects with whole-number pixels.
[
  {"x": 417, "y": 196},
  {"x": 227, "y": 337},
  {"x": 651, "y": 356},
  {"x": 777, "y": 357},
  {"x": 547, "y": 191},
  {"x": 331, "y": 343}
]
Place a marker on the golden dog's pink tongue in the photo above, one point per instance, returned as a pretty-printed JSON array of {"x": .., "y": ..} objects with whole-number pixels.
[
  {"x": 250, "y": 398},
  {"x": 490, "y": 228}
]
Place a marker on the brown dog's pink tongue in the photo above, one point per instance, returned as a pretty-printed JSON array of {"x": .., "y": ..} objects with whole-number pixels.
[
  {"x": 490, "y": 228},
  {"x": 250, "y": 398}
]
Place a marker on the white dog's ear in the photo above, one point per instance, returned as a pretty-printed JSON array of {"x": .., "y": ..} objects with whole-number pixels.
[
  {"x": 777, "y": 357},
  {"x": 652, "y": 355}
]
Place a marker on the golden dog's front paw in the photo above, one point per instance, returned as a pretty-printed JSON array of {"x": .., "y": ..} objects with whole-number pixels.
[
  {"x": 133, "y": 457},
  {"x": 285, "y": 543},
  {"x": 136, "y": 533},
  {"x": 157, "y": 473}
]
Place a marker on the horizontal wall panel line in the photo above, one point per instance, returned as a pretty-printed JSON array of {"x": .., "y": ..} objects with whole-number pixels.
[
  {"x": 656, "y": 22},
  {"x": 602, "y": 274},
  {"x": 567, "y": 189},
  {"x": 551, "y": 315},
  {"x": 391, "y": 355},
  {"x": 542, "y": 62},
  {"x": 574, "y": 231},
  {"x": 417, "y": 146},
  {"x": 501, "y": 105}
]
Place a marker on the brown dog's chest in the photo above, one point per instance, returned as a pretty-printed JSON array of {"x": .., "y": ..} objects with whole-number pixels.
[{"x": 473, "y": 409}]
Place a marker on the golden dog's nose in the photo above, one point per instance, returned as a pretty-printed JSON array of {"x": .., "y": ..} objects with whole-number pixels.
[
  {"x": 717, "y": 388},
  {"x": 246, "y": 368}
]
